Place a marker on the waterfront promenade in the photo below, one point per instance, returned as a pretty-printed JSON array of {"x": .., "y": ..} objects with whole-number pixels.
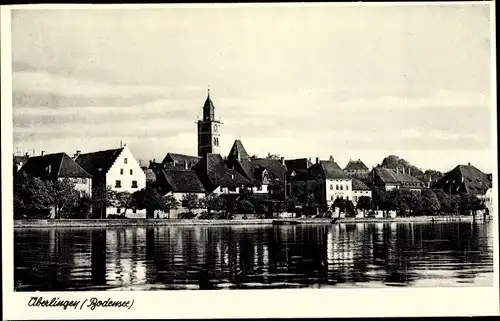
[{"x": 74, "y": 223}]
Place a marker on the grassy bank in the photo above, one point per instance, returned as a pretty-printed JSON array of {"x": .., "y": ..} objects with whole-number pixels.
[{"x": 51, "y": 223}]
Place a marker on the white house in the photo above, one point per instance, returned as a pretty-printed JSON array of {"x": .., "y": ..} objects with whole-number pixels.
[
  {"x": 335, "y": 183},
  {"x": 359, "y": 189},
  {"x": 118, "y": 170}
]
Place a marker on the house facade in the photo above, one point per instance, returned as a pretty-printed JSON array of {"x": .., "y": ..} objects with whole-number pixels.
[
  {"x": 118, "y": 170},
  {"x": 359, "y": 189},
  {"x": 390, "y": 179}
]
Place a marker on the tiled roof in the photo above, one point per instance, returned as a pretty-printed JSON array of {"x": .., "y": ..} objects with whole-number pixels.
[
  {"x": 327, "y": 170},
  {"x": 358, "y": 185},
  {"x": 150, "y": 175},
  {"x": 239, "y": 159},
  {"x": 388, "y": 175},
  {"x": 181, "y": 181},
  {"x": 213, "y": 172},
  {"x": 98, "y": 163},
  {"x": 301, "y": 175},
  {"x": 355, "y": 165},
  {"x": 474, "y": 181},
  {"x": 180, "y": 158},
  {"x": 52, "y": 166}
]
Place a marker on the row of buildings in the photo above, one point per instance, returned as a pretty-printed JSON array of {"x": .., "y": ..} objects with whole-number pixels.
[{"x": 209, "y": 172}]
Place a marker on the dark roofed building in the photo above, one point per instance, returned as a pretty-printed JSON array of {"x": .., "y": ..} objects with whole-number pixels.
[
  {"x": 179, "y": 181},
  {"x": 150, "y": 176},
  {"x": 359, "y": 189},
  {"x": 213, "y": 173},
  {"x": 296, "y": 166},
  {"x": 356, "y": 168},
  {"x": 390, "y": 179},
  {"x": 327, "y": 170},
  {"x": 98, "y": 163},
  {"x": 275, "y": 168},
  {"x": 464, "y": 179},
  {"x": 59, "y": 166},
  {"x": 54, "y": 166},
  {"x": 239, "y": 159},
  {"x": 358, "y": 185},
  {"x": 174, "y": 160}
]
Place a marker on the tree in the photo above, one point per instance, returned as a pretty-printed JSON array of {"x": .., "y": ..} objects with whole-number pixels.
[
  {"x": 190, "y": 201},
  {"x": 213, "y": 202},
  {"x": 476, "y": 204},
  {"x": 381, "y": 200},
  {"x": 350, "y": 210},
  {"x": 82, "y": 208},
  {"x": 170, "y": 203},
  {"x": 430, "y": 202},
  {"x": 122, "y": 200},
  {"x": 364, "y": 204},
  {"x": 149, "y": 199},
  {"x": 340, "y": 204},
  {"x": 230, "y": 205},
  {"x": 63, "y": 198},
  {"x": 31, "y": 196},
  {"x": 103, "y": 198},
  {"x": 444, "y": 201}
]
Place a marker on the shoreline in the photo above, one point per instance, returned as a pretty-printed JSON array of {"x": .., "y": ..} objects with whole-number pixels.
[{"x": 103, "y": 223}]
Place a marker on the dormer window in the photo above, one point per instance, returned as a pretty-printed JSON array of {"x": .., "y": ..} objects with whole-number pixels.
[{"x": 125, "y": 160}]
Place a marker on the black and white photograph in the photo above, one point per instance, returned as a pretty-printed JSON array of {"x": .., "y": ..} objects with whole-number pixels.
[{"x": 249, "y": 147}]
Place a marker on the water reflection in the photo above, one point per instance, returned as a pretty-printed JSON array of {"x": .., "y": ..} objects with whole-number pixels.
[{"x": 254, "y": 257}]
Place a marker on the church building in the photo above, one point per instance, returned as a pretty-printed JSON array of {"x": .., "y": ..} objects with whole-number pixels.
[{"x": 208, "y": 130}]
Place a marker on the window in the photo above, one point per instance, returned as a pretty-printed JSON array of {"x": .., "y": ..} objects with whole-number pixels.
[
  {"x": 125, "y": 160},
  {"x": 232, "y": 189},
  {"x": 118, "y": 210},
  {"x": 259, "y": 188},
  {"x": 341, "y": 187},
  {"x": 118, "y": 183},
  {"x": 131, "y": 172},
  {"x": 134, "y": 184},
  {"x": 121, "y": 171},
  {"x": 347, "y": 187},
  {"x": 331, "y": 197},
  {"x": 134, "y": 210},
  {"x": 331, "y": 186},
  {"x": 216, "y": 141},
  {"x": 337, "y": 187},
  {"x": 347, "y": 197},
  {"x": 355, "y": 199}
]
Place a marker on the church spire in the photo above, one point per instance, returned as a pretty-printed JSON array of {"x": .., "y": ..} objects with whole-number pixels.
[{"x": 208, "y": 108}]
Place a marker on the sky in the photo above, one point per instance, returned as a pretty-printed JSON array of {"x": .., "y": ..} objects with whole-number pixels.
[{"x": 358, "y": 82}]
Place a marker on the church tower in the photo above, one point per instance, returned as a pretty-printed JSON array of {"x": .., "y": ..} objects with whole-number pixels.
[{"x": 208, "y": 130}]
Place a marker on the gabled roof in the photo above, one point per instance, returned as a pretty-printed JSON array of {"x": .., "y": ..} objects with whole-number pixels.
[
  {"x": 355, "y": 165},
  {"x": 181, "y": 181},
  {"x": 358, "y": 185},
  {"x": 388, "y": 176},
  {"x": 98, "y": 163},
  {"x": 180, "y": 158},
  {"x": 327, "y": 170},
  {"x": 274, "y": 167},
  {"x": 52, "y": 166},
  {"x": 464, "y": 178},
  {"x": 239, "y": 159},
  {"x": 213, "y": 172}
]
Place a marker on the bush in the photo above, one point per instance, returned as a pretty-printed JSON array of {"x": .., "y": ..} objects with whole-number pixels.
[{"x": 116, "y": 216}]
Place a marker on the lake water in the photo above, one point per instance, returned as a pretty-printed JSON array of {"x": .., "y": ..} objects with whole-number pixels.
[{"x": 245, "y": 257}]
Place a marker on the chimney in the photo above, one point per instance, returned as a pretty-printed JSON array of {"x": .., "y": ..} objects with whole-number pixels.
[
  {"x": 282, "y": 161},
  {"x": 27, "y": 155},
  {"x": 317, "y": 160},
  {"x": 42, "y": 152},
  {"x": 77, "y": 154},
  {"x": 397, "y": 170},
  {"x": 468, "y": 164},
  {"x": 404, "y": 170},
  {"x": 186, "y": 164},
  {"x": 409, "y": 171}
]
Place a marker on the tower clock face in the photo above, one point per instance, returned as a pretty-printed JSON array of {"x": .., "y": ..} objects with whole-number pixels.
[{"x": 216, "y": 127}]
